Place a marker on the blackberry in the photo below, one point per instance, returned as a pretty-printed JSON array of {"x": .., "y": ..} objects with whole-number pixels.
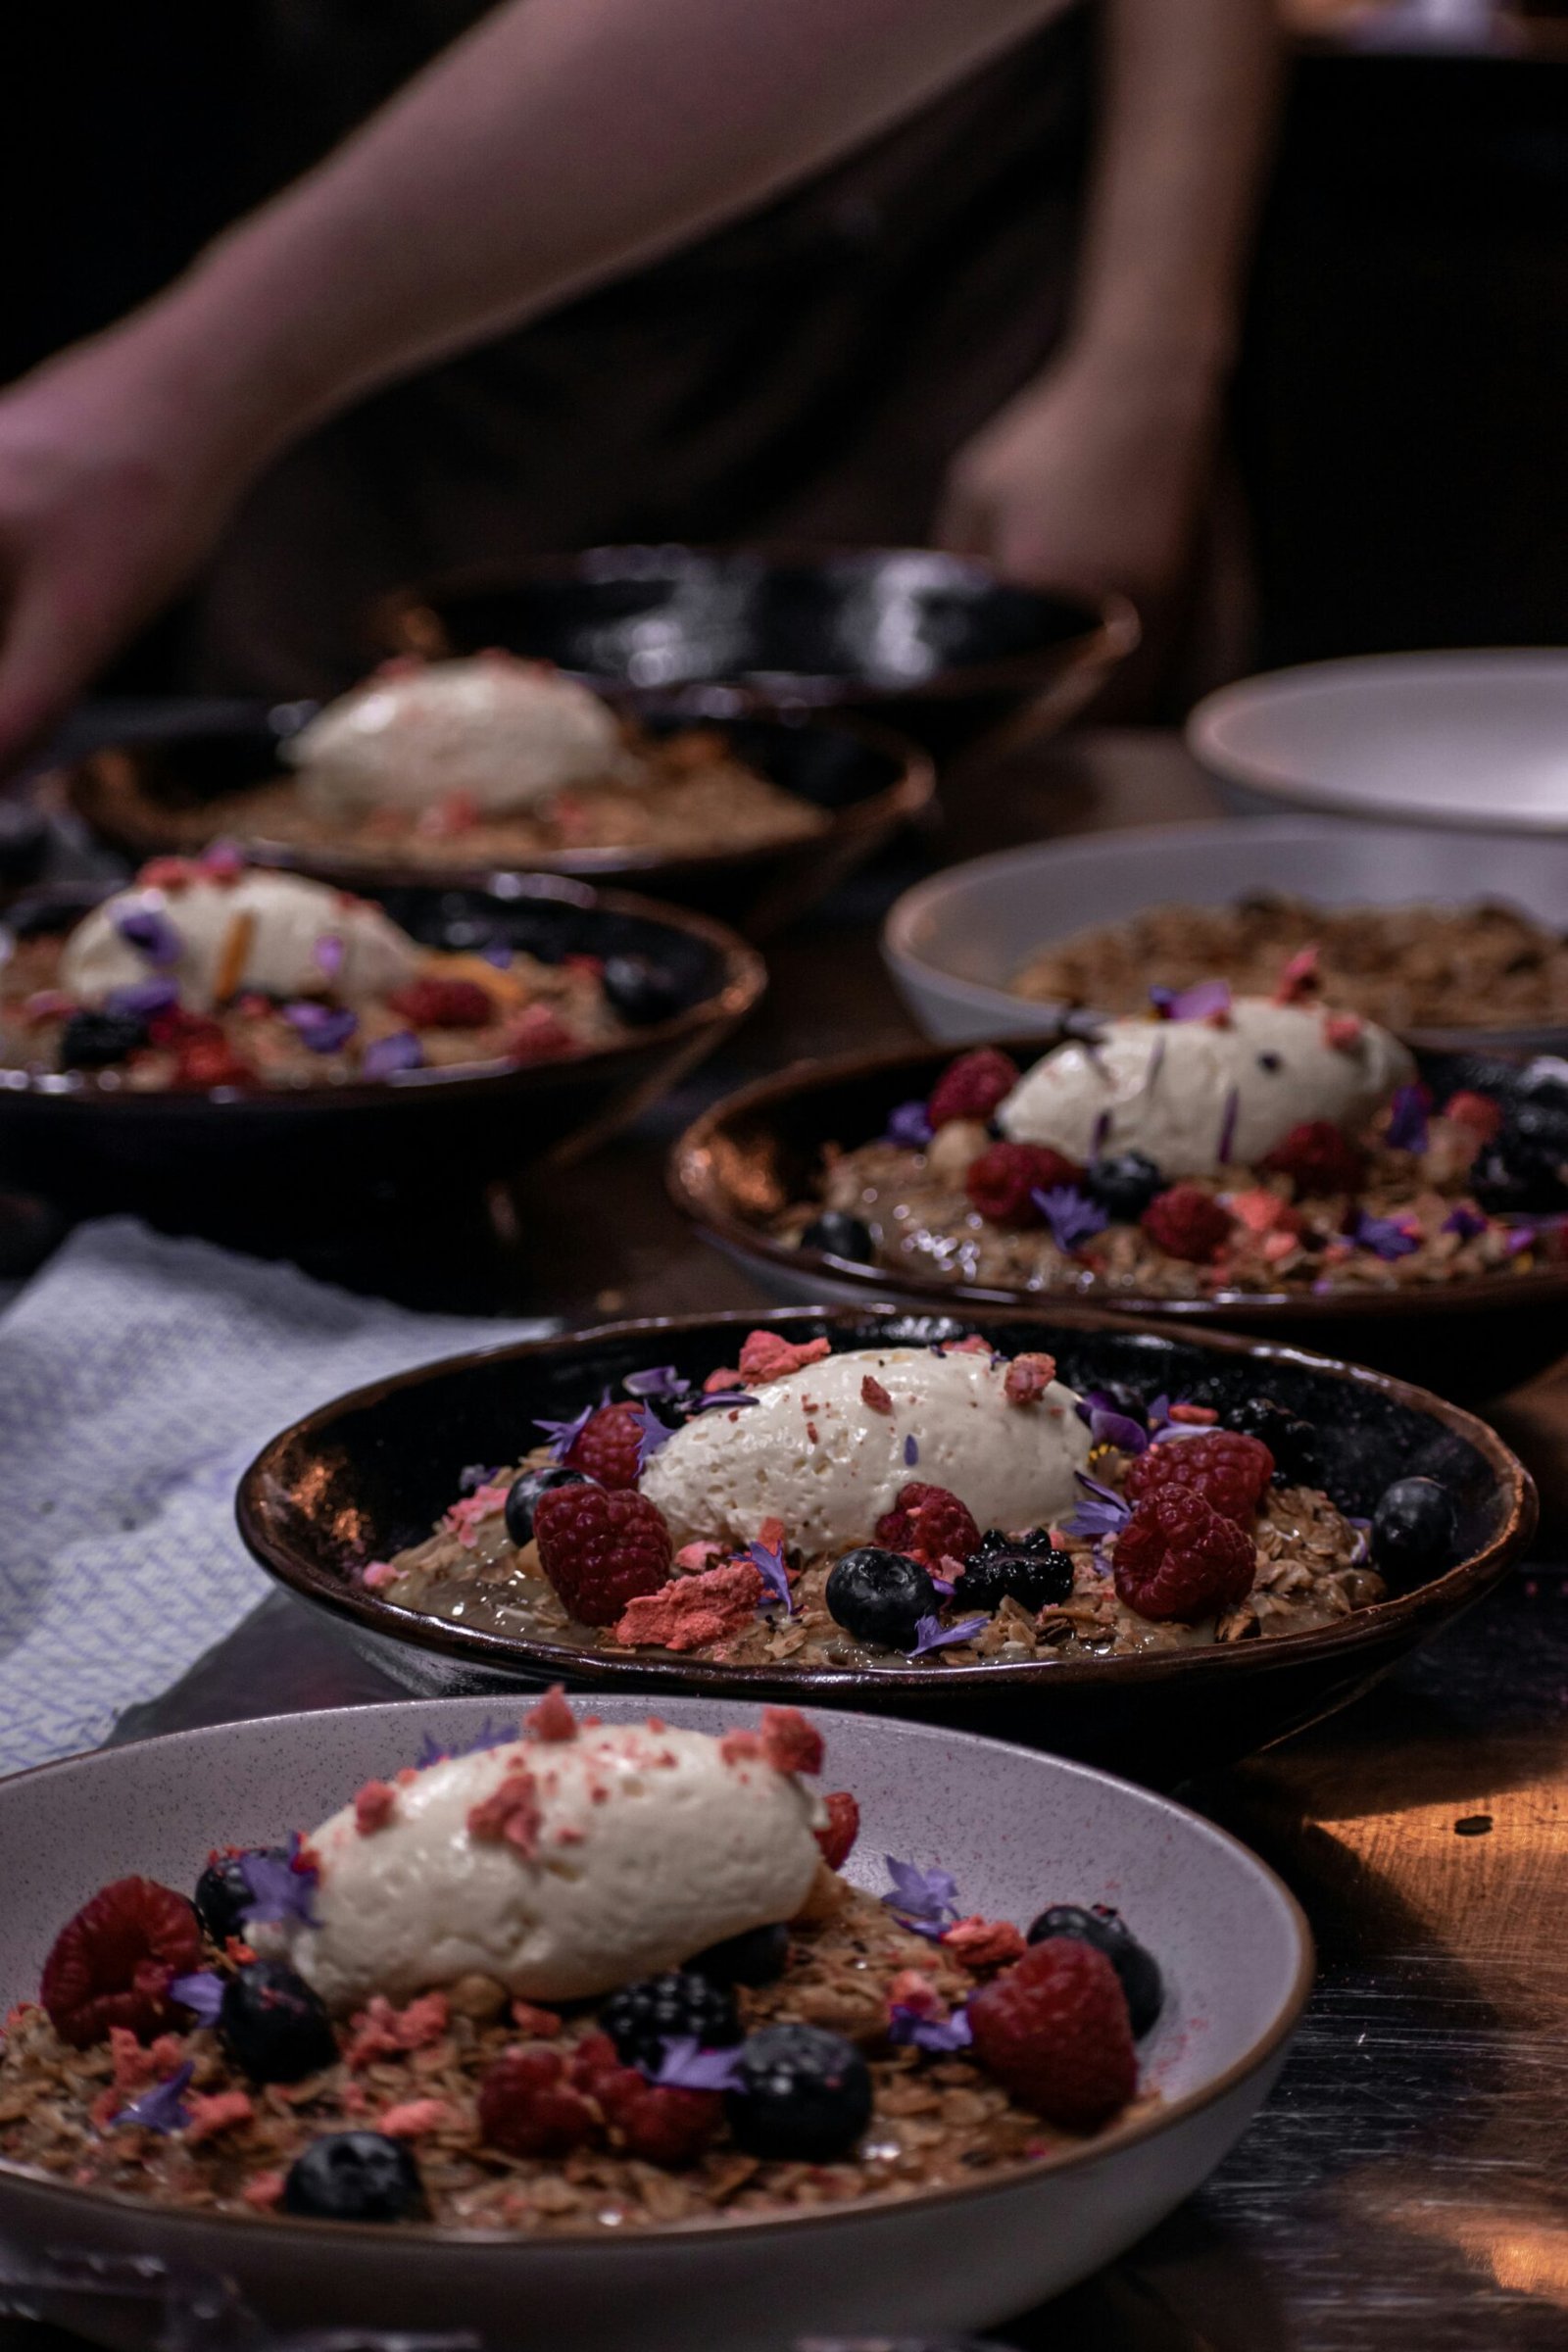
[
  {"x": 1291, "y": 1441},
  {"x": 880, "y": 1596},
  {"x": 91, "y": 1041},
  {"x": 756, "y": 1958},
  {"x": 803, "y": 2095},
  {"x": 1032, "y": 1570},
  {"x": 1415, "y": 1526},
  {"x": 223, "y": 1892},
  {"x": 841, "y": 1235},
  {"x": 354, "y": 2176},
  {"x": 1526, "y": 1164},
  {"x": 522, "y": 1499},
  {"x": 274, "y": 2026},
  {"x": 1124, "y": 1184},
  {"x": 1108, "y": 1932},
  {"x": 640, "y": 991},
  {"x": 641, "y": 2018}
]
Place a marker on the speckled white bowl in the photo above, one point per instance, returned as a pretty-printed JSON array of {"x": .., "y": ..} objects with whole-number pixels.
[{"x": 1019, "y": 1830}]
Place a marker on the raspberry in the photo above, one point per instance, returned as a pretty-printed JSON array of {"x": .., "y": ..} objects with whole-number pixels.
[
  {"x": 1178, "y": 1557},
  {"x": 601, "y": 1549},
  {"x": 842, "y": 1828},
  {"x": 1481, "y": 1113},
  {"x": 1317, "y": 1158},
  {"x": 608, "y": 1446},
  {"x": 113, "y": 1963},
  {"x": 528, "y": 2108},
  {"x": 1054, "y": 2032},
  {"x": 971, "y": 1086},
  {"x": 656, "y": 2120},
  {"x": 211, "y": 1062},
  {"x": 1187, "y": 1222},
  {"x": 930, "y": 1524},
  {"x": 1000, "y": 1181},
  {"x": 1230, "y": 1471},
  {"x": 444, "y": 1004}
]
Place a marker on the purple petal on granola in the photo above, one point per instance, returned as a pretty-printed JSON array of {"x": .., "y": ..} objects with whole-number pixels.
[
  {"x": 328, "y": 954},
  {"x": 1104, "y": 1512},
  {"x": 1465, "y": 1221},
  {"x": 934, "y": 1635},
  {"x": 652, "y": 1432},
  {"x": 768, "y": 1561},
  {"x": 1071, "y": 1215},
  {"x": 202, "y": 1990},
  {"x": 280, "y": 1890},
  {"x": 1107, "y": 1426},
  {"x": 324, "y": 1028},
  {"x": 1385, "y": 1236},
  {"x": 929, "y": 2033},
  {"x": 684, "y": 2065},
  {"x": 916, "y": 1894},
  {"x": 661, "y": 1380},
  {"x": 908, "y": 1125},
  {"x": 151, "y": 934},
  {"x": 1199, "y": 1003},
  {"x": 163, "y": 2109},
  {"x": 1408, "y": 1115},
  {"x": 1227, "y": 1126},
  {"x": 143, "y": 997},
  {"x": 384, "y": 1057},
  {"x": 912, "y": 1451},
  {"x": 563, "y": 1435}
]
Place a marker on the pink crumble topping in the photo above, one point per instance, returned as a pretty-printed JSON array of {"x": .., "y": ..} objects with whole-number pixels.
[
  {"x": 1194, "y": 1416},
  {"x": 765, "y": 1355},
  {"x": 693, "y": 1559},
  {"x": 509, "y": 1815},
  {"x": 984, "y": 1942},
  {"x": 376, "y": 1574},
  {"x": 875, "y": 1397},
  {"x": 974, "y": 1345},
  {"x": 415, "y": 2118},
  {"x": 789, "y": 1742},
  {"x": 691, "y": 1610},
  {"x": 220, "y": 2113},
  {"x": 1342, "y": 1031},
  {"x": 740, "y": 1748},
  {"x": 1028, "y": 1377},
  {"x": 909, "y": 1989},
  {"x": 1298, "y": 978},
  {"x": 263, "y": 2190},
  {"x": 373, "y": 1807},
  {"x": 552, "y": 1719},
  {"x": 463, "y": 1520},
  {"x": 719, "y": 1384},
  {"x": 543, "y": 2023},
  {"x": 383, "y": 2032}
]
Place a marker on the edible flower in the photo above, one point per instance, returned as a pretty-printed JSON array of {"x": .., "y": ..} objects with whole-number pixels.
[
  {"x": 684, "y": 2065},
  {"x": 912, "y": 1451},
  {"x": 1072, "y": 1216},
  {"x": 1209, "y": 1000},
  {"x": 1104, "y": 1513},
  {"x": 280, "y": 1890},
  {"x": 328, "y": 954},
  {"x": 661, "y": 1381},
  {"x": 321, "y": 1028},
  {"x": 925, "y": 1900},
  {"x": 652, "y": 1432},
  {"x": 909, "y": 1126},
  {"x": 475, "y": 1476},
  {"x": 934, "y": 1635},
  {"x": 1227, "y": 1126},
  {"x": 490, "y": 1734},
  {"x": 768, "y": 1561},
  {"x": 202, "y": 1991},
  {"x": 151, "y": 934},
  {"x": 563, "y": 1435},
  {"x": 1465, "y": 1221},
  {"x": 163, "y": 2109},
  {"x": 929, "y": 2033},
  {"x": 722, "y": 1397},
  {"x": 143, "y": 997},
  {"x": 385, "y": 1056},
  {"x": 1409, "y": 1117},
  {"x": 1108, "y": 1425},
  {"x": 1385, "y": 1236}
]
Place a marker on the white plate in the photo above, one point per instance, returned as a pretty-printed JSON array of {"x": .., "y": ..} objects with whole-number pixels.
[
  {"x": 1474, "y": 739},
  {"x": 952, "y": 943},
  {"x": 1020, "y": 1830}
]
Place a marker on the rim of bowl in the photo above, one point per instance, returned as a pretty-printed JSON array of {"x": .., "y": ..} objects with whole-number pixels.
[
  {"x": 1201, "y": 734},
  {"x": 897, "y": 801},
  {"x": 915, "y": 970},
  {"x": 690, "y": 1174},
  {"x": 743, "y": 977},
  {"x": 292, "y": 1565},
  {"x": 1114, "y": 629},
  {"x": 1127, "y": 2133}
]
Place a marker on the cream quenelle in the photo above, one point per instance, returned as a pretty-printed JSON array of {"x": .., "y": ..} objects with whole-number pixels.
[
  {"x": 560, "y": 1865},
  {"x": 502, "y": 733},
  {"x": 208, "y": 927},
  {"x": 1199, "y": 1095},
  {"x": 829, "y": 1449}
]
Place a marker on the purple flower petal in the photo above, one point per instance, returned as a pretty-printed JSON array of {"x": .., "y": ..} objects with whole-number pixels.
[
  {"x": 1072, "y": 1216},
  {"x": 1408, "y": 1122},
  {"x": 684, "y": 2065},
  {"x": 1465, "y": 1221},
  {"x": 499, "y": 954},
  {"x": 1227, "y": 1126},
  {"x": 163, "y": 2109},
  {"x": 652, "y": 1432},
  {"x": 328, "y": 954},
  {"x": 909, "y": 1126},
  {"x": 663, "y": 1381},
  {"x": 1105, "y": 1513},
  {"x": 144, "y": 997},
  {"x": 280, "y": 1890},
  {"x": 934, "y": 1635},
  {"x": 563, "y": 1435},
  {"x": 768, "y": 1562},
  {"x": 1101, "y": 1131},
  {"x": 489, "y": 1734},
  {"x": 202, "y": 1991},
  {"x": 930, "y": 2033},
  {"x": 323, "y": 1028},
  {"x": 1107, "y": 1426},
  {"x": 1385, "y": 1237},
  {"x": 475, "y": 1476},
  {"x": 385, "y": 1056},
  {"x": 719, "y": 1399},
  {"x": 917, "y": 1894},
  {"x": 151, "y": 934},
  {"x": 944, "y": 1585},
  {"x": 911, "y": 1453},
  {"x": 1198, "y": 1003}
]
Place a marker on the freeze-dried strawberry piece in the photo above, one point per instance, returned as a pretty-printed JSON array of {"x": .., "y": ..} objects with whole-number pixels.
[
  {"x": 789, "y": 1742},
  {"x": 981, "y": 1943},
  {"x": 767, "y": 1355},
  {"x": 692, "y": 1611},
  {"x": 113, "y": 1964},
  {"x": 837, "y": 1834}
]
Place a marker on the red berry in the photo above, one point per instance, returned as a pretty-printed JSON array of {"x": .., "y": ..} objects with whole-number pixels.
[
  {"x": 971, "y": 1086},
  {"x": 433, "y": 1004},
  {"x": 528, "y": 2108},
  {"x": 1177, "y": 1556},
  {"x": 1001, "y": 1182},
  {"x": 594, "y": 2060},
  {"x": 1317, "y": 1158},
  {"x": 1054, "y": 2032},
  {"x": 1187, "y": 1222},
  {"x": 112, "y": 1965},
  {"x": 1481, "y": 1113},
  {"x": 606, "y": 1449},
  {"x": 1230, "y": 1471},
  {"x": 843, "y": 1826},
  {"x": 601, "y": 1549},
  {"x": 930, "y": 1524},
  {"x": 657, "y": 2122},
  {"x": 211, "y": 1061}
]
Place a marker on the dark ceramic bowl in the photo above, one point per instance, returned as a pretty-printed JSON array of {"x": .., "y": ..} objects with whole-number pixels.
[
  {"x": 268, "y": 1161},
  {"x": 760, "y": 1147},
  {"x": 936, "y": 643},
  {"x": 140, "y": 796},
  {"x": 370, "y": 1474}
]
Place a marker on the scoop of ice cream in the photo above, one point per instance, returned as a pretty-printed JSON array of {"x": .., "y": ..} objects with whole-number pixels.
[
  {"x": 273, "y": 932},
  {"x": 560, "y": 1868},
  {"x": 503, "y": 733},
  {"x": 827, "y": 1454},
  {"x": 1196, "y": 1095}
]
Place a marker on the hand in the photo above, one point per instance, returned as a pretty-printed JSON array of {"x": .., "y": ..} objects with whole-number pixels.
[{"x": 1091, "y": 478}]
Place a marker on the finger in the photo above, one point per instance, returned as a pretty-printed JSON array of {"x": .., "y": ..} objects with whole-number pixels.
[
  {"x": 43, "y": 660},
  {"x": 962, "y": 519}
]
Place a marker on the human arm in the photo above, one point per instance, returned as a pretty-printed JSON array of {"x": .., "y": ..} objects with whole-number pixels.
[
  {"x": 558, "y": 143},
  {"x": 1090, "y": 476}
]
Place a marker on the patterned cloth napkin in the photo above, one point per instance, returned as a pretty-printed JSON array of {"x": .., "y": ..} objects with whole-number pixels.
[{"x": 139, "y": 1376}]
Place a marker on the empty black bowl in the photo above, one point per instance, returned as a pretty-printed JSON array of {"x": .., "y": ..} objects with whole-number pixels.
[
  {"x": 364, "y": 1477},
  {"x": 261, "y": 1164},
  {"x": 936, "y": 643}
]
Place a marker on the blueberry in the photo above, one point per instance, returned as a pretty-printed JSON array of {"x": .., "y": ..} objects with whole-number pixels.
[
  {"x": 522, "y": 1499},
  {"x": 1124, "y": 1184},
  {"x": 91, "y": 1041},
  {"x": 642, "y": 2017},
  {"x": 756, "y": 1958},
  {"x": 804, "y": 2096},
  {"x": 841, "y": 1235},
  {"x": 880, "y": 1596},
  {"x": 273, "y": 2025},
  {"x": 640, "y": 991},
  {"x": 1108, "y": 1932},
  {"x": 1032, "y": 1571},
  {"x": 354, "y": 2176},
  {"x": 1415, "y": 1526},
  {"x": 1291, "y": 1441},
  {"x": 224, "y": 1892}
]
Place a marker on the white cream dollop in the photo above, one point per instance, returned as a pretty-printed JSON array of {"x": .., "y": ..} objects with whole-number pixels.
[
  {"x": 1167, "y": 1088},
  {"x": 503, "y": 733},
  {"x": 286, "y": 922},
  {"x": 648, "y": 1845},
  {"x": 812, "y": 1452}
]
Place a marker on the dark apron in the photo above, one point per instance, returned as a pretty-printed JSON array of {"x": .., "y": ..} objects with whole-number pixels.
[{"x": 805, "y": 373}]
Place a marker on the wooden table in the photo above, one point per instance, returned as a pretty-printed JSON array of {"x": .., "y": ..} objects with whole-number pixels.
[{"x": 1404, "y": 2188}]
